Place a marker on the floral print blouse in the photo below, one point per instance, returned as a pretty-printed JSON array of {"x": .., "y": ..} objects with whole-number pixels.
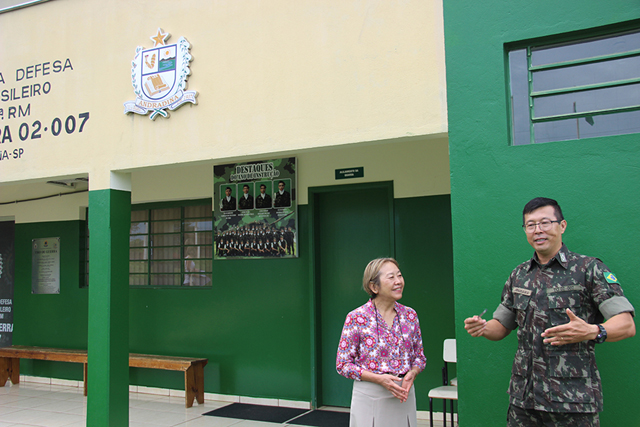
[{"x": 367, "y": 343}]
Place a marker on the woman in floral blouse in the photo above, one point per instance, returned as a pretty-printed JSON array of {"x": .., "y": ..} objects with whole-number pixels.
[{"x": 381, "y": 349}]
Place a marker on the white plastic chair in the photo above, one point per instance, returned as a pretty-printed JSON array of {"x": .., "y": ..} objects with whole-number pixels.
[{"x": 449, "y": 389}]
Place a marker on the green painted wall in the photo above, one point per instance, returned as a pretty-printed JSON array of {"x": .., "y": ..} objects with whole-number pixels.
[
  {"x": 424, "y": 251},
  {"x": 596, "y": 181},
  {"x": 254, "y": 323},
  {"x": 50, "y": 320}
]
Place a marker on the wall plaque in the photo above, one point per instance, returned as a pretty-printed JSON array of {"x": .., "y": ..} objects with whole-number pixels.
[{"x": 45, "y": 265}]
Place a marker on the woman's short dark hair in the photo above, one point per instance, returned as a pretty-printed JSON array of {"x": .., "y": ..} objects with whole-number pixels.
[
  {"x": 540, "y": 202},
  {"x": 372, "y": 274}
]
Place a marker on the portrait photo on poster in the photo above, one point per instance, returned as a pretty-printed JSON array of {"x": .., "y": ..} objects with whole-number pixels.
[{"x": 228, "y": 201}]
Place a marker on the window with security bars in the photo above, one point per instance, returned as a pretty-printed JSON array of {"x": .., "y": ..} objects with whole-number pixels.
[
  {"x": 171, "y": 246},
  {"x": 582, "y": 89}
]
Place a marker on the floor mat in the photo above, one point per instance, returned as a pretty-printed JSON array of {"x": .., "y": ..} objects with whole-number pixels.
[
  {"x": 244, "y": 411},
  {"x": 323, "y": 419}
]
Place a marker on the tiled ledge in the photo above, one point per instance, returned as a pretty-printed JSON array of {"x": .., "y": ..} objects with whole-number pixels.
[{"x": 50, "y": 381}]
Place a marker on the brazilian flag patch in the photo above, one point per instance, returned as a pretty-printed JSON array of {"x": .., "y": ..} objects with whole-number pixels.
[{"x": 610, "y": 277}]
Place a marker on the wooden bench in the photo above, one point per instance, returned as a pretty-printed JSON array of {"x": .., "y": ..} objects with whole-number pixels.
[
  {"x": 193, "y": 372},
  {"x": 193, "y": 368},
  {"x": 10, "y": 360}
]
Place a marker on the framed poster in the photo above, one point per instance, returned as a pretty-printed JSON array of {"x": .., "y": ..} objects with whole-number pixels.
[
  {"x": 45, "y": 266},
  {"x": 255, "y": 210}
]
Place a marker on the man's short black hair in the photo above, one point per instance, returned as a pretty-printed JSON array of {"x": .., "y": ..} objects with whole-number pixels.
[
  {"x": 245, "y": 186},
  {"x": 540, "y": 202},
  {"x": 281, "y": 182},
  {"x": 263, "y": 186},
  {"x": 228, "y": 188}
]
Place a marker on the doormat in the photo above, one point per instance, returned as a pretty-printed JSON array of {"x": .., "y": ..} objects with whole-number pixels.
[
  {"x": 245, "y": 411},
  {"x": 321, "y": 418}
]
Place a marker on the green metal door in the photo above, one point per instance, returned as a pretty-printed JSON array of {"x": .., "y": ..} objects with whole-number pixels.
[{"x": 353, "y": 225}]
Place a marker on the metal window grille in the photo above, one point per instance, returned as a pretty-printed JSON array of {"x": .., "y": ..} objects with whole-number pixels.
[
  {"x": 582, "y": 89},
  {"x": 171, "y": 247}
]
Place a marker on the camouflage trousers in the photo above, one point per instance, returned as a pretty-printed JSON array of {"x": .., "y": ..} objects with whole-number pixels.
[{"x": 519, "y": 417}]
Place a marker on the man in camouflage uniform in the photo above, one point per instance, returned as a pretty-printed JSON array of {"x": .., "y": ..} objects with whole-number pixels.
[{"x": 558, "y": 301}]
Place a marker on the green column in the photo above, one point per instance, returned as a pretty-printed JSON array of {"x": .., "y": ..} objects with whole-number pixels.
[{"x": 108, "y": 341}]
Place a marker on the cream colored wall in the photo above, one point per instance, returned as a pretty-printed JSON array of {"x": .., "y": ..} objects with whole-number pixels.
[
  {"x": 418, "y": 166},
  {"x": 61, "y": 208},
  {"x": 184, "y": 182},
  {"x": 272, "y": 76}
]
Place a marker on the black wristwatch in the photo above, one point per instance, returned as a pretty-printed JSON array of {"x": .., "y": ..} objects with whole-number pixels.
[{"x": 602, "y": 336}]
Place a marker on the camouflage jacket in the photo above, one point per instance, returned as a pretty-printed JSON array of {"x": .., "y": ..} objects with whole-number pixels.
[{"x": 535, "y": 297}]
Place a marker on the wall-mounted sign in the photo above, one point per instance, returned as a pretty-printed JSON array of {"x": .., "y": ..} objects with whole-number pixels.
[
  {"x": 26, "y": 124},
  {"x": 350, "y": 173},
  {"x": 45, "y": 266},
  {"x": 255, "y": 209},
  {"x": 159, "y": 77},
  {"x": 7, "y": 232}
]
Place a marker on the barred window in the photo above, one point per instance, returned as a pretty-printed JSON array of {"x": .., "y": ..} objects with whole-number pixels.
[
  {"x": 171, "y": 246},
  {"x": 582, "y": 89}
]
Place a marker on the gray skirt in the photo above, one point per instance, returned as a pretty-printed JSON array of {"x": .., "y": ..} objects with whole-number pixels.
[{"x": 373, "y": 405}]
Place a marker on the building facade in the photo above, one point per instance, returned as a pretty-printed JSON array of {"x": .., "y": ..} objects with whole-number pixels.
[{"x": 337, "y": 86}]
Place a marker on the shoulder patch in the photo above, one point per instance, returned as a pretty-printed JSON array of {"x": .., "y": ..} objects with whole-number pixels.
[{"x": 610, "y": 277}]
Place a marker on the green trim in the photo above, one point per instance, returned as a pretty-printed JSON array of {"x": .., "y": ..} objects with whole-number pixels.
[
  {"x": 584, "y": 88},
  {"x": 532, "y": 135},
  {"x": 313, "y": 272},
  {"x": 387, "y": 188},
  {"x": 531, "y": 47},
  {"x": 509, "y": 97},
  {"x": 585, "y": 114},
  {"x": 589, "y": 33},
  {"x": 584, "y": 61}
]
